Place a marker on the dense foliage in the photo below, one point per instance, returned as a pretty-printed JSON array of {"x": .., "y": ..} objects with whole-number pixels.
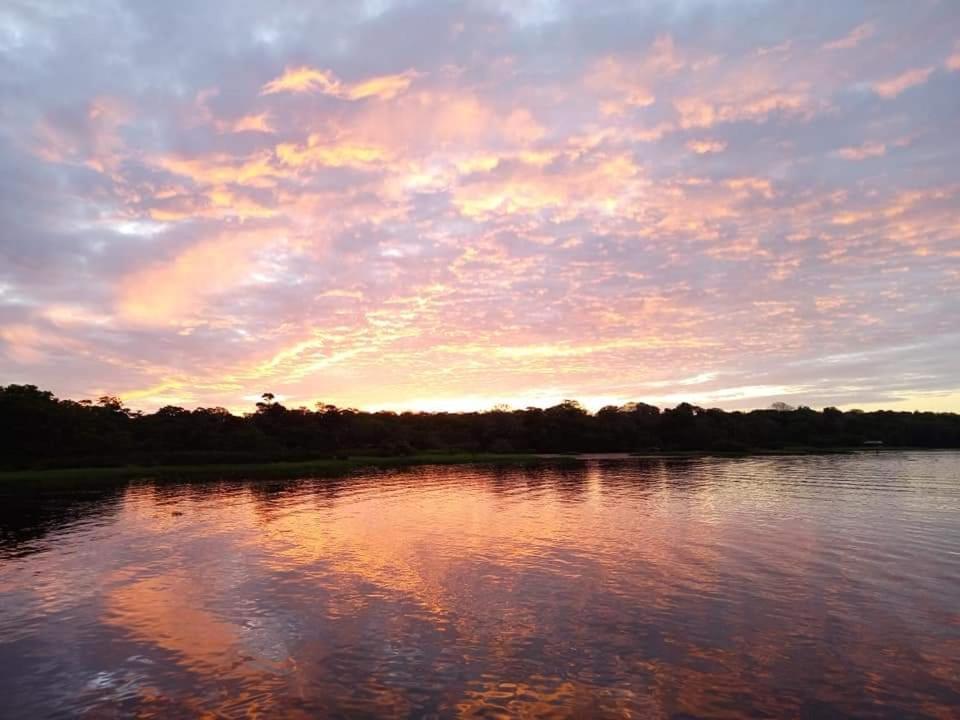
[{"x": 39, "y": 430}]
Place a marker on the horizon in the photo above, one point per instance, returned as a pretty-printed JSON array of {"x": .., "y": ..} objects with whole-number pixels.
[
  {"x": 723, "y": 202},
  {"x": 590, "y": 408}
]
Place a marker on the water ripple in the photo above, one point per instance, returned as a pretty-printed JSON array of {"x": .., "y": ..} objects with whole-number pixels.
[{"x": 758, "y": 587}]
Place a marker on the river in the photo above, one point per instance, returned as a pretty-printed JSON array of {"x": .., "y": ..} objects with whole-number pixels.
[{"x": 811, "y": 586}]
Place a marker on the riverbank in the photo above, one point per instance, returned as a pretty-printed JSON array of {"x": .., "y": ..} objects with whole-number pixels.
[
  {"x": 744, "y": 453},
  {"x": 323, "y": 466},
  {"x": 331, "y": 467}
]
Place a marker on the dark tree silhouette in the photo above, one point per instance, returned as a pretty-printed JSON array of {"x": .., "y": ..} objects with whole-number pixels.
[{"x": 39, "y": 430}]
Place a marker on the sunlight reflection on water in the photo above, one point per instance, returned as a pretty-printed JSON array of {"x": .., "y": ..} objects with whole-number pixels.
[{"x": 762, "y": 587}]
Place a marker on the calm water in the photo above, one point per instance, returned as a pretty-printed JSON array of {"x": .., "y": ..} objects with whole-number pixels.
[{"x": 765, "y": 587}]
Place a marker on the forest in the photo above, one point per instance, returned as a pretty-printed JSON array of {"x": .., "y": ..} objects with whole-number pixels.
[{"x": 38, "y": 430}]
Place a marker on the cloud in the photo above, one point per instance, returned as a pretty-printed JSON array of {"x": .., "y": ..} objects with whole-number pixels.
[
  {"x": 318, "y": 153},
  {"x": 383, "y": 87},
  {"x": 953, "y": 62},
  {"x": 174, "y": 292},
  {"x": 256, "y": 123},
  {"x": 301, "y": 80},
  {"x": 706, "y": 147},
  {"x": 23, "y": 344},
  {"x": 306, "y": 79},
  {"x": 862, "y": 152},
  {"x": 853, "y": 38},
  {"x": 897, "y": 84},
  {"x": 705, "y": 112},
  {"x": 563, "y": 201}
]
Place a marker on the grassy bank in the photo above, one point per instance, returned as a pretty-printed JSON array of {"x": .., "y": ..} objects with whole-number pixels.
[
  {"x": 325, "y": 466},
  {"x": 343, "y": 466},
  {"x": 757, "y": 452}
]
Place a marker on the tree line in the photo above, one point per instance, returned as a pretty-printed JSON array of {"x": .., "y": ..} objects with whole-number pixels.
[{"x": 40, "y": 430}]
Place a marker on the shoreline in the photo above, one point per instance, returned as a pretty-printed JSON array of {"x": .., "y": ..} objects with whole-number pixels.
[
  {"x": 333, "y": 467},
  {"x": 323, "y": 466}
]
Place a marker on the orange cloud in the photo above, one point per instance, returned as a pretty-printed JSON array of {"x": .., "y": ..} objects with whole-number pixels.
[
  {"x": 596, "y": 186},
  {"x": 217, "y": 202},
  {"x": 751, "y": 185},
  {"x": 218, "y": 169},
  {"x": 317, "y": 152},
  {"x": 259, "y": 123},
  {"x": 702, "y": 112},
  {"x": 705, "y": 147},
  {"x": 420, "y": 124},
  {"x": 892, "y": 87},
  {"x": 383, "y": 87},
  {"x": 302, "y": 79},
  {"x": 305, "y": 79}
]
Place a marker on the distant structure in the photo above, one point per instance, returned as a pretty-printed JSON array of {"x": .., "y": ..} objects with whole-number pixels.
[{"x": 873, "y": 443}]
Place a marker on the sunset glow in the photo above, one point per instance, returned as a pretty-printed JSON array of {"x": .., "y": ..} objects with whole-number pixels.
[{"x": 448, "y": 205}]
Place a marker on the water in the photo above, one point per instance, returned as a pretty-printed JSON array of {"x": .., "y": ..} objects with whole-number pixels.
[{"x": 763, "y": 587}]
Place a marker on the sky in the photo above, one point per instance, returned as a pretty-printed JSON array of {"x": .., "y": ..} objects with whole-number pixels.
[{"x": 449, "y": 205}]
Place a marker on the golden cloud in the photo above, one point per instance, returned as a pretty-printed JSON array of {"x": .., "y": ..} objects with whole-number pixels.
[{"x": 306, "y": 79}]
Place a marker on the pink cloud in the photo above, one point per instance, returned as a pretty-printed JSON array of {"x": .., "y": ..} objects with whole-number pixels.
[
  {"x": 893, "y": 86},
  {"x": 853, "y": 38},
  {"x": 174, "y": 293},
  {"x": 953, "y": 62},
  {"x": 523, "y": 211},
  {"x": 862, "y": 152}
]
